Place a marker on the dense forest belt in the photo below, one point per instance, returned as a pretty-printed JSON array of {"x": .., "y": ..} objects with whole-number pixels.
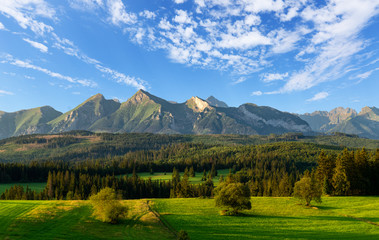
[
  {"x": 267, "y": 170},
  {"x": 78, "y": 146}
]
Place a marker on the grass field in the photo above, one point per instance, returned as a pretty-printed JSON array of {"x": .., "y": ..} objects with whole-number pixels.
[
  {"x": 193, "y": 180},
  {"x": 73, "y": 220},
  {"x": 270, "y": 218},
  {"x": 37, "y": 186},
  {"x": 276, "y": 218}
]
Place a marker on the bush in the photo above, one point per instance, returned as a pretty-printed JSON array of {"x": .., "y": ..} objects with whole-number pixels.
[
  {"x": 233, "y": 195},
  {"x": 183, "y": 235},
  {"x": 106, "y": 206}
]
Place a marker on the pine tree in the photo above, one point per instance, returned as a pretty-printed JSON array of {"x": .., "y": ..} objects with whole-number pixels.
[{"x": 341, "y": 183}]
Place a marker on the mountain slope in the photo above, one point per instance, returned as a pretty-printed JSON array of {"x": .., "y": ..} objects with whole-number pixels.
[
  {"x": 323, "y": 121},
  {"x": 365, "y": 124},
  {"x": 26, "y": 121},
  {"x": 84, "y": 115},
  {"x": 215, "y": 102}
]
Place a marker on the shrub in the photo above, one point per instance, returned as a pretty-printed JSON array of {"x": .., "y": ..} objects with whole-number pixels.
[{"x": 106, "y": 206}]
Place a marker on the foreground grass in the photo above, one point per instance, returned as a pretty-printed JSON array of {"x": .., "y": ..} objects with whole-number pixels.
[
  {"x": 73, "y": 220},
  {"x": 270, "y": 218},
  {"x": 275, "y": 218}
]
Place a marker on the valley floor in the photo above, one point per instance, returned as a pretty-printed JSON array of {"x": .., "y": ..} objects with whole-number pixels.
[{"x": 269, "y": 218}]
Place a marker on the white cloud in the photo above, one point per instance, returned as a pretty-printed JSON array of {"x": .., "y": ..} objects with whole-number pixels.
[
  {"x": 179, "y": 1},
  {"x": 148, "y": 14},
  {"x": 85, "y": 5},
  {"x": 122, "y": 78},
  {"x": 2, "y": 27},
  {"x": 318, "y": 96},
  {"x": 37, "y": 45},
  {"x": 366, "y": 74},
  {"x": 25, "y": 12},
  {"x": 256, "y": 93},
  {"x": 118, "y": 13},
  {"x": 3, "y": 92},
  {"x": 245, "y": 41},
  {"x": 182, "y": 17},
  {"x": 239, "y": 80},
  {"x": 269, "y": 77}
]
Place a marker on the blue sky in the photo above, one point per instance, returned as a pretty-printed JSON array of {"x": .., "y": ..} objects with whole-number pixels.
[{"x": 295, "y": 55}]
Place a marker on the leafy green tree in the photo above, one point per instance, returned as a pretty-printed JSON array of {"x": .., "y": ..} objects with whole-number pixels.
[
  {"x": 106, "y": 206},
  {"x": 233, "y": 195},
  {"x": 308, "y": 189}
]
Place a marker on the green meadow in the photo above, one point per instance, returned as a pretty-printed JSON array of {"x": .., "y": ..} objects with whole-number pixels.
[
  {"x": 269, "y": 218},
  {"x": 276, "y": 218},
  {"x": 37, "y": 186},
  {"x": 194, "y": 180}
]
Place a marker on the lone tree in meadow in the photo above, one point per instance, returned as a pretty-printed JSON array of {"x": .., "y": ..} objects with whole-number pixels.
[
  {"x": 106, "y": 206},
  {"x": 233, "y": 195},
  {"x": 308, "y": 189}
]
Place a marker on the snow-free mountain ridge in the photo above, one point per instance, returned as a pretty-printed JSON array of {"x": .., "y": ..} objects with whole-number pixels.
[{"x": 144, "y": 112}]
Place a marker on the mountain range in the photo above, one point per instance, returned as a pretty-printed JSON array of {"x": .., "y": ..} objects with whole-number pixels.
[
  {"x": 345, "y": 120},
  {"x": 144, "y": 112}
]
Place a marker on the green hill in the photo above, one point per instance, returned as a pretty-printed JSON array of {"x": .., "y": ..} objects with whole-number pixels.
[{"x": 26, "y": 121}]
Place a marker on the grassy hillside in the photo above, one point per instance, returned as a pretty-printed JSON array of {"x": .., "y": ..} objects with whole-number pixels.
[
  {"x": 270, "y": 218},
  {"x": 275, "y": 218},
  {"x": 72, "y": 220}
]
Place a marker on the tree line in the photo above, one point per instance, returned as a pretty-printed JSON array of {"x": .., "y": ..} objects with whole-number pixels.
[{"x": 267, "y": 170}]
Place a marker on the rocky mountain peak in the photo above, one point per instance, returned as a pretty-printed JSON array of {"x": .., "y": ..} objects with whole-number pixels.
[
  {"x": 340, "y": 114},
  {"x": 140, "y": 96},
  {"x": 215, "y": 102},
  {"x": 197, "y": 104}
]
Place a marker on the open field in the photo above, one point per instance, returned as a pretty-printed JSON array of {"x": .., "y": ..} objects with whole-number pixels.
[
  {"x": 37, "y": 186},
  {"x": 270, "y": 218},
  {"x": 72, "y": 220},
  {"x": 276, "y": 218},
  {"x": 193, "y": 180}
]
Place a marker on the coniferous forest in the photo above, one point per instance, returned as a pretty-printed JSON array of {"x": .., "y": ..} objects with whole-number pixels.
[{"x": 268, "y": 169}]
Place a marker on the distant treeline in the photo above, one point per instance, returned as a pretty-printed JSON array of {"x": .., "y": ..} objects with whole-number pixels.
[
  {"x": 79, "y": 146},
  {"x": 268, "y": 170}
]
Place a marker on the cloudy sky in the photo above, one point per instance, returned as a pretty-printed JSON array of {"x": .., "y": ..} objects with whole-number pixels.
[{"x": 294, "y": 55}]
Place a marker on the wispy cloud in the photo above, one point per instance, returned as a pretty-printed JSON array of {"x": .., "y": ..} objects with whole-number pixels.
[
  {"x": 23, "y": 64},
  {"x": 269, "y": 77},
  {"x": 25, "y": 13},
  {"x": 366, "y": 74},
  {"x": 318, "y": 96},
  {"x": 2, "y": 27},
  {"x": 256, "y": 93},
  {"x": 37, "y": 45},
  {"x": 179, "y": 1},
  {"x": 239, "y": 80},
  {"x": 3, "y": 92}
]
